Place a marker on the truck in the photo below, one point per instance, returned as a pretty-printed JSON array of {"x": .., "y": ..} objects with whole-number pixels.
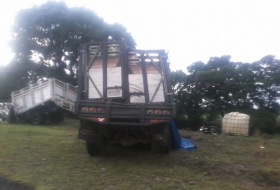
[
  {"x": 124, "y": 96},
  {"x": 44, "y": 101}
]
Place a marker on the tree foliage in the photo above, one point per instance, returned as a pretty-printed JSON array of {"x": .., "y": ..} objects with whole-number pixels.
[
  {"x": 46, "y": 39},
  {"x": 221, "y": 86},
  {"x": 49, "y": 36},
  {"x": 12, "y": 77},
  {"x": 267, "y": 73}
]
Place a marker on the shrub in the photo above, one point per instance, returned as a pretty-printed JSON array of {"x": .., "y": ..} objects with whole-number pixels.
[{"x": 263, "y": 121}]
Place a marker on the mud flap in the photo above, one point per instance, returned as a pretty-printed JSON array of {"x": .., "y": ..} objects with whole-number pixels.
[{"x": 88, "y": 130}]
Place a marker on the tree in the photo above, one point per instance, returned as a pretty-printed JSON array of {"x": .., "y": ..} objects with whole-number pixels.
[
  {"x": 13, "y": 77},
  {"x": 222, "y": 86},
  {"x": 211, "y": 90},
  {"x": 213, "y": 82},
  {"x": 267, "y": 80},
  {"x": 49, "y": 35},
  {"x": 178, "y": 79},
  {"x": 225, "y": 86},
  {"x": 188, "y": 102}
]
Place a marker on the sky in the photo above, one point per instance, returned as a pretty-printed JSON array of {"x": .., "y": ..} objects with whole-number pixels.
[{"x": 189, "y": 30}]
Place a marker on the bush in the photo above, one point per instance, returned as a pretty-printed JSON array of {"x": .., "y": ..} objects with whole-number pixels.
[
  {"x": 190, "y": 122},
  {"x": 263, "y": 121}
]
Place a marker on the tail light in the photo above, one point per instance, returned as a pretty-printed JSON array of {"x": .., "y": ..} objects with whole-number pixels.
[
  {"x": 158, "y": 112},
  {"x": 93, "y": 109}
]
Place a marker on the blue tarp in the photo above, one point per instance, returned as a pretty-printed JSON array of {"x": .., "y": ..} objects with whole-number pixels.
[{"x": 178, "y": 142}]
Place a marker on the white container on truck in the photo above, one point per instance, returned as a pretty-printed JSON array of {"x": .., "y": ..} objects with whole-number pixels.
[
  {"x": 43, "y": 101},
  {"x": 124, "y": 96}
]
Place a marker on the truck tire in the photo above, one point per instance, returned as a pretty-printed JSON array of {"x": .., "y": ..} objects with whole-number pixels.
[
  {"x": 93, "y": 148},
  {"x": 163, "y": 146},
  {"x": 36, "y": 119},
  {"x": 12, "y": 116}
]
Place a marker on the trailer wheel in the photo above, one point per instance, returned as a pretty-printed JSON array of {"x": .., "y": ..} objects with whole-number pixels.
[
  {"x": 11, "y": 115},
  {"x": 36, "y": 119},
  {"x": 93, "y": 148}
]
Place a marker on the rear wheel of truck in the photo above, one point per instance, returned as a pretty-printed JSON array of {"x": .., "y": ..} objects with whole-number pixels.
[
  {"x": 93, "y": 148},
  {"x": 162, "y": 146},
  {"x": 11, "y": 116}
]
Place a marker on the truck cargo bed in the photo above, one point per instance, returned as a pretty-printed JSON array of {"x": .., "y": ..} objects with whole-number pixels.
[{"x": 62, "y": 94}]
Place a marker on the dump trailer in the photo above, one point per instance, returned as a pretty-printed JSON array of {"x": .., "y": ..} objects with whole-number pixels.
[
  {"x": 42, "y": 102},
  {"x": 124, "y": 97}
]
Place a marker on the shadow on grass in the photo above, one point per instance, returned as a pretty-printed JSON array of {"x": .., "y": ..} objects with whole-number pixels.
[{"x": 6, "y": 184}]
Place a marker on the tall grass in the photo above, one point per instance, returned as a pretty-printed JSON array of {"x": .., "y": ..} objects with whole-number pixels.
[{"x": 51, "y": 157}]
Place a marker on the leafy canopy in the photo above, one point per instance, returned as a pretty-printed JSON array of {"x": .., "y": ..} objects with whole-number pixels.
[
  {"x": 49, "y": 35},
  {"x": 221, "y": 86}
]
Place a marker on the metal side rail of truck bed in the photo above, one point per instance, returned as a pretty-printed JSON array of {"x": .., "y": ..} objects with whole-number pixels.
[
  {"x": 42, "y": 102},
  {"x": 62, "y": 94},
  {"x": 114, "y": 113}
]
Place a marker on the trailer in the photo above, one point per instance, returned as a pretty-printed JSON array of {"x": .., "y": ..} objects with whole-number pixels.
[
  {"x": 124, "y": 96},
  {"x": 42, "y": 102}
]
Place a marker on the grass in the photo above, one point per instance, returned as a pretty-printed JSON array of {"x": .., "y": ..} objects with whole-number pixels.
[{"x": 51, "y": 157}]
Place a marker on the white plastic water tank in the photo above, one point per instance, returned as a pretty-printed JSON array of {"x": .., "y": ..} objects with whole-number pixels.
[{"x": 236, "y": 123}]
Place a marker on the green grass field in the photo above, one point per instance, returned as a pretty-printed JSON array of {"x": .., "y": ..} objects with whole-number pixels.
[{"x": 51, "y": 157}]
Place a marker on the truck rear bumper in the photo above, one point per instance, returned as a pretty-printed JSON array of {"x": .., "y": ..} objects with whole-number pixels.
[{"x": 125, "y": 114}]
